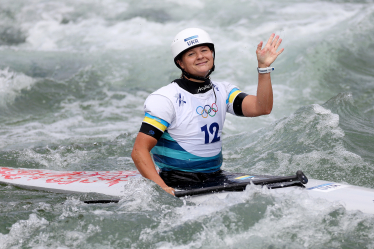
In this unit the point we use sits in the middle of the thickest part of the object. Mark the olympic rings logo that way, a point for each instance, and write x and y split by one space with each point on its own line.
207 110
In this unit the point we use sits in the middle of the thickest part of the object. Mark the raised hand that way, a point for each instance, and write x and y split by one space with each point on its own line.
267 55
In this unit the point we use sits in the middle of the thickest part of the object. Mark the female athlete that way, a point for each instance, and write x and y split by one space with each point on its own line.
183 121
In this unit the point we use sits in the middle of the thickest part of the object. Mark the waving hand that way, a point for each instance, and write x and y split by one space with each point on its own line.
267 55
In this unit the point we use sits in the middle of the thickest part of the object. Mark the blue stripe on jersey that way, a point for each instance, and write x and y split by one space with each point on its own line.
232 91
169 155
165 143
168 137
161 121
165 167
203 166
180 154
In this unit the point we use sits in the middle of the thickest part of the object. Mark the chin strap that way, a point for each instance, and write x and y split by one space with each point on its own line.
188 75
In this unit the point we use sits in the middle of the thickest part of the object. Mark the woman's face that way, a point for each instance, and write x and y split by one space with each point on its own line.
197 61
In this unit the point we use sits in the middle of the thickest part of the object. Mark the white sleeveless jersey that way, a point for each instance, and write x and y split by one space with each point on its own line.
194 122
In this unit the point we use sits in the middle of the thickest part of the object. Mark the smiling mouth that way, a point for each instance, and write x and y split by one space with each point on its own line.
202 63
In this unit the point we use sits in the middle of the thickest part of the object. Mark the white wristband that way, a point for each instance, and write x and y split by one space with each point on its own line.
265 70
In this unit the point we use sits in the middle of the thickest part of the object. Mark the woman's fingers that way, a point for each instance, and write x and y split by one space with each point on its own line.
278 43
275 44
272 42
275 41
169 190
271 38
280 51
268 54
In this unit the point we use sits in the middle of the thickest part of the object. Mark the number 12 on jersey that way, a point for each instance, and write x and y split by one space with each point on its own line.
213 129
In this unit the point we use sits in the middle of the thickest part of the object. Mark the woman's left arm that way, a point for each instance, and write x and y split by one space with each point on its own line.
262 103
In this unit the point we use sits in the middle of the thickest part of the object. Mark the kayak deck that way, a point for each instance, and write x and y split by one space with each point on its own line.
113 183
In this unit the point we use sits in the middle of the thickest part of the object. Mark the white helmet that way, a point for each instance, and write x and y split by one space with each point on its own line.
189 38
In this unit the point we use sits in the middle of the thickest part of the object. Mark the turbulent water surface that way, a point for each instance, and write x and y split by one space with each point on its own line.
73 79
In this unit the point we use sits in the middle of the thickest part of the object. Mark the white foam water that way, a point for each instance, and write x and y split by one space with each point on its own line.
73 79
11 85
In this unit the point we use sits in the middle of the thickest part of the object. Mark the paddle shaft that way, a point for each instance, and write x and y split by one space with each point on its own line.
300 177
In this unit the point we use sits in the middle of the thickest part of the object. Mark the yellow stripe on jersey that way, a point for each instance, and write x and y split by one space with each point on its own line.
154 123
233 95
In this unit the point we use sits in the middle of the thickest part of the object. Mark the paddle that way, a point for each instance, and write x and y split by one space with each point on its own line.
299 177
101 201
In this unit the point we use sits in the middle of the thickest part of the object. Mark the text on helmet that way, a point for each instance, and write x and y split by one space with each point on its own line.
192 40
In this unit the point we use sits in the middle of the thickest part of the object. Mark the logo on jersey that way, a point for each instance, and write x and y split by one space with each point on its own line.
204 88
207 110
215 86
180 99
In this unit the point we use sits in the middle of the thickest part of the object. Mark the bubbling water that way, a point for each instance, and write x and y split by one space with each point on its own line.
73 79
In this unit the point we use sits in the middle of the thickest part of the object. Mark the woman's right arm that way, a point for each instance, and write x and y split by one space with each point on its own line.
143 161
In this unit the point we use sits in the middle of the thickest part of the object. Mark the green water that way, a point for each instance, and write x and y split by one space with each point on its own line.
73 79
